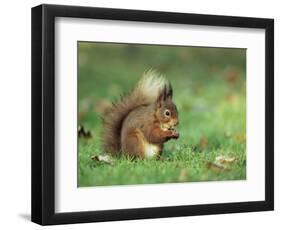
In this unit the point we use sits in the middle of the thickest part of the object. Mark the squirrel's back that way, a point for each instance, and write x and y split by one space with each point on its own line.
146 92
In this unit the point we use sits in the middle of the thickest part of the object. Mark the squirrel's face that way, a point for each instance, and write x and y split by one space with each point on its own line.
166 110
167 115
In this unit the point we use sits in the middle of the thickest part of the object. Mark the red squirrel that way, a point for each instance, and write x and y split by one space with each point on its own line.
141 122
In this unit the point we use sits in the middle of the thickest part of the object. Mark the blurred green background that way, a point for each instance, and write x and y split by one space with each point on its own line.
210 93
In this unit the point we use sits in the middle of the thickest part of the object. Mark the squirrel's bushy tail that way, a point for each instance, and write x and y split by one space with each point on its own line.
146 92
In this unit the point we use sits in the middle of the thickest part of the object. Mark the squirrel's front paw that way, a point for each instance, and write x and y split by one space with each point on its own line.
175 134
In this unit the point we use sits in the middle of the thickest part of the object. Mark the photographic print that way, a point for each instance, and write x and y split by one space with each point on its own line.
130 103
150 114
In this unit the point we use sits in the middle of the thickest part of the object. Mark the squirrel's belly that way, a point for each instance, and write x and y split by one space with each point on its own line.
151 150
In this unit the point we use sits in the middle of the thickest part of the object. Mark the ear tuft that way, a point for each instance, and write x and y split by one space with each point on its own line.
169 92
161 97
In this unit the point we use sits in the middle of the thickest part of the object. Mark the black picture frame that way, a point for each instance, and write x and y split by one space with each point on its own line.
43 114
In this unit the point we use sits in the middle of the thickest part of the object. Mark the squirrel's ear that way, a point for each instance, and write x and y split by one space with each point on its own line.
161 98
169 91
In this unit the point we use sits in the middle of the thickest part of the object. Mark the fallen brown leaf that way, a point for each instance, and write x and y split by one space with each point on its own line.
221 163
225 159
216 166
84 133
103 158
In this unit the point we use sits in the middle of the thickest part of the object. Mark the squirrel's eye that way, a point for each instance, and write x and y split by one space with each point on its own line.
167 113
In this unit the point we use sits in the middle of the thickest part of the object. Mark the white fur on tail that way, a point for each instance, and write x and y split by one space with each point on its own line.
151 84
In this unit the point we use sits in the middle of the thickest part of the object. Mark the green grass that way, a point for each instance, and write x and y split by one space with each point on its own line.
209 91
